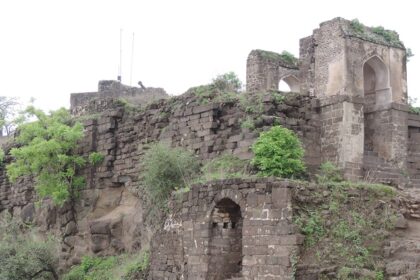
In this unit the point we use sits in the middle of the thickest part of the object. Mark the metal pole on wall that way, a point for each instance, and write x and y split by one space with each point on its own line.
132 59
120 67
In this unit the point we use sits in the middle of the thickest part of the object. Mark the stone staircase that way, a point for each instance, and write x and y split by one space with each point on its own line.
403 250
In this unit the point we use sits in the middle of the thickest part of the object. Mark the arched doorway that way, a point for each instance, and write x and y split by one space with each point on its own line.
289 84
377 93
225 246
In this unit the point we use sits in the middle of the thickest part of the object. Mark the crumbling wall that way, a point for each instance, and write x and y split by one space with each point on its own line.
109 216
185 246
265 69
413 160
94 102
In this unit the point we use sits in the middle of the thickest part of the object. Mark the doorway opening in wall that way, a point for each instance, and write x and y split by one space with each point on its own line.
377 93
289 84
225 246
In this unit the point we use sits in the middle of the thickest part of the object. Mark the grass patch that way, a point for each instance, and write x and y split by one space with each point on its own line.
346 224
225 167
123 267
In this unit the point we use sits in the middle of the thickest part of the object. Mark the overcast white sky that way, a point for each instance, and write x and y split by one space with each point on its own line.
50 49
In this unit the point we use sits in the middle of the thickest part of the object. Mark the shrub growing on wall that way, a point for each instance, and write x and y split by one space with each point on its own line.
46 152
167 169
278 152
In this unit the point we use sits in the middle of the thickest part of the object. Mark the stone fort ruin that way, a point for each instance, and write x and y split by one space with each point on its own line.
348 105
360 82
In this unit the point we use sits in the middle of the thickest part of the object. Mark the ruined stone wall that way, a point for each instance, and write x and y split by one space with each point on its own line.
327 54
109 215
94 102
413 159
186 245
342 133
265 70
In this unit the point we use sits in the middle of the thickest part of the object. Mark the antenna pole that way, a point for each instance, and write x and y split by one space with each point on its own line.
120 68
132 59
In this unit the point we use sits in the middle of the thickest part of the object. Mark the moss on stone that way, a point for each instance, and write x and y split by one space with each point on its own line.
378 34
285 57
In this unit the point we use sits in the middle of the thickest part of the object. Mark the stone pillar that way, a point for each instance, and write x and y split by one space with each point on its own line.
342 133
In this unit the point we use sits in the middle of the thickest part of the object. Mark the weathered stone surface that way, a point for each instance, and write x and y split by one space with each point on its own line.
240 234
351 110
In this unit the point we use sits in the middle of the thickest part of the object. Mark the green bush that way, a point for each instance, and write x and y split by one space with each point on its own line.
2 156
167 169
93 268
47 152
138 268
96 158
278 152
328 173
228 82
124 267
21 256
289 57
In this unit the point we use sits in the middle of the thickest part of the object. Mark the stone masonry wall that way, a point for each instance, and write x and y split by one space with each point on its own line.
265 70
82 103
413 159
109 216
342 133
184 248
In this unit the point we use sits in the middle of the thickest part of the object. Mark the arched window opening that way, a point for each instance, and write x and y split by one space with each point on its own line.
225 246
376 82
289 84
377 93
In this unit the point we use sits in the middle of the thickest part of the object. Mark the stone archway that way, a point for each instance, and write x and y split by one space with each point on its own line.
225 244
289 84
377 93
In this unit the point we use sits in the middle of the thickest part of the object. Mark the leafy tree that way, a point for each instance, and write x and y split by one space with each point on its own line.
7 111
227 82
21 256
278 152
45 152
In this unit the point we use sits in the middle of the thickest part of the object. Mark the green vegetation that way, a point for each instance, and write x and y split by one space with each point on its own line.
409 54
96 158
285 56
167 169
389 35
8 109
46 152
357 26
345 223
224 88
288 57
225 167
124 267
248 123
278 152
228 82
376 34
22 256
2 156
412 107
328 173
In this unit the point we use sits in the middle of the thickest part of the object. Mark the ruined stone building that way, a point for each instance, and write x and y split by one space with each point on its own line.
349 107
360 81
